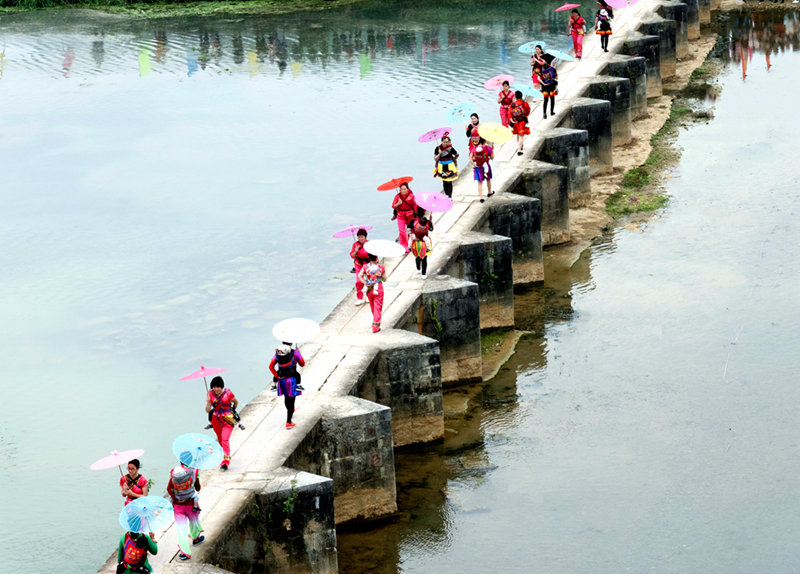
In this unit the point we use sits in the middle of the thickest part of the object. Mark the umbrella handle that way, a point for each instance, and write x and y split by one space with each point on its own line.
119 466
206 383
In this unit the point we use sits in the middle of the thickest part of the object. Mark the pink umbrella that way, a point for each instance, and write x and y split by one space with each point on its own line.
434 202
117 459
351 230
434 135
621 3
567 7
203 373
497 82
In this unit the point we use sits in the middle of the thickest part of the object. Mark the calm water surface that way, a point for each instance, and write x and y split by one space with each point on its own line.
648 421
170 190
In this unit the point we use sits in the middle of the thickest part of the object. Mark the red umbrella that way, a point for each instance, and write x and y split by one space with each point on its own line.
567 7
394 183
497 82
203 373
434 135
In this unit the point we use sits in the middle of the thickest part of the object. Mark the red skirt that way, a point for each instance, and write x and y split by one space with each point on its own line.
521 129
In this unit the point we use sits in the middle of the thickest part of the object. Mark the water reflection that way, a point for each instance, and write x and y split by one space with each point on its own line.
761 33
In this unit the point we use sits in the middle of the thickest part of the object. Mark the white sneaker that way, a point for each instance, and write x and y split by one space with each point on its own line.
424 276
359 302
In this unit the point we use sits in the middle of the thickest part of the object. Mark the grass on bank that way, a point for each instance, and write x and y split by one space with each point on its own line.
639 191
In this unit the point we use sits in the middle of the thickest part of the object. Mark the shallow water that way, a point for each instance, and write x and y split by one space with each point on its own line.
647 423
169 192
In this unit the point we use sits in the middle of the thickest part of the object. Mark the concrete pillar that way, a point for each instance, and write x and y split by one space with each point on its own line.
286 526
647 47
570 148
594 116
487 260
679 12
449 311
549 183
618 92
635 69
704 10
519 218
693 18
666 30
352 444
406 376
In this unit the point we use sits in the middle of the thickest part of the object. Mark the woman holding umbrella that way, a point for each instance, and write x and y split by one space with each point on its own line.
537 64
406 206
286 377
372 275
360 257
474 122
445 159
505 98
133 485
221 403
576 27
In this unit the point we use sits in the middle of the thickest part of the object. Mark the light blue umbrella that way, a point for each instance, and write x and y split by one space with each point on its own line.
563 56
197 451
146 514
462 112
528 90
530 47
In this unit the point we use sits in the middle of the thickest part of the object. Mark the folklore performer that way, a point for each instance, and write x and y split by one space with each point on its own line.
221 403
445 164
576 27
132 553
286 376
360 257
519 111
602 23
372 275
481 154
133 484
549 81
406 206
537 63
474 122
183 488
504 98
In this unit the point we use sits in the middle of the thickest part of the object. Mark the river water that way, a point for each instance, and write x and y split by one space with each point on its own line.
169 192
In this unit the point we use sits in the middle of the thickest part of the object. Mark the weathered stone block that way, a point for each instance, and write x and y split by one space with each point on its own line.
406 376
488 261
704 10
679 12
666 30
716 5
635 69
549 183
519 218
594 116
649 48
287 526
617 91
352 444
570 148
692 19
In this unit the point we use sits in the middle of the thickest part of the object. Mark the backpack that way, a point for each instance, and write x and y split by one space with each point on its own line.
518 112
132 554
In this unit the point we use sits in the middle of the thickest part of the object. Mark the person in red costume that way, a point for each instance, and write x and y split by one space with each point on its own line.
504 98
360 257
283 367
519 112
373 274
406 207
481 154
221 403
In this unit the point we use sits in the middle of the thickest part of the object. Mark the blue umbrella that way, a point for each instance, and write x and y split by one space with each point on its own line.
146 514
559 55
530 47
462 112
197 451
528 90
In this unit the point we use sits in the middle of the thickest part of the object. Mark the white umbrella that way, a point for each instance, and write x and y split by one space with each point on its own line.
384 248
296 330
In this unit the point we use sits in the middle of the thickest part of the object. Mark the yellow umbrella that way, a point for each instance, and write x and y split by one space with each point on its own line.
495 133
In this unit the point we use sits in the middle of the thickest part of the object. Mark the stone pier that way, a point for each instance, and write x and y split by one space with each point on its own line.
649 48
666 30
635 69
570 148
678 12
594 116
549 183
617 91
